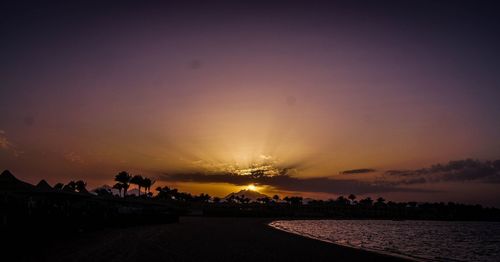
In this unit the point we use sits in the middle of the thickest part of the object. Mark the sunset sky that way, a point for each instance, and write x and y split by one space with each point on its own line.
325 98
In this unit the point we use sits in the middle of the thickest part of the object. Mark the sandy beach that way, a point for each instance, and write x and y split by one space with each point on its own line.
196 239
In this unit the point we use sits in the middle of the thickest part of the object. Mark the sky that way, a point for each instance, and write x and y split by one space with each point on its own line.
315 98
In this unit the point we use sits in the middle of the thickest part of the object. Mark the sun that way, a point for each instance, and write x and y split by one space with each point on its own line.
251 187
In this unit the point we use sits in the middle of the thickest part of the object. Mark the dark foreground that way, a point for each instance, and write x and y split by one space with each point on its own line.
194 239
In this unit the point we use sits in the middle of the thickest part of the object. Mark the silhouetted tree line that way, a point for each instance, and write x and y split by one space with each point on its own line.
340 208
74 200
124 180
349 207
73 186
165 193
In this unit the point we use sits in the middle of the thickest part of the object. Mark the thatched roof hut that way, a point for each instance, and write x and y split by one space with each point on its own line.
43 186
9 183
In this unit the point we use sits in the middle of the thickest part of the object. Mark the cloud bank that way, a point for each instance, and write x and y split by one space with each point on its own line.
288 183
358 171
453 171
383 182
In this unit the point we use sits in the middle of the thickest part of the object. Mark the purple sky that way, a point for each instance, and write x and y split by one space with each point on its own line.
189 92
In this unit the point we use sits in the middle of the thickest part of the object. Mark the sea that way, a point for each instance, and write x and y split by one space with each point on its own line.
416 240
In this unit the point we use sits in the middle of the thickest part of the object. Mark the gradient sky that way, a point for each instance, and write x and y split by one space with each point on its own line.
193 93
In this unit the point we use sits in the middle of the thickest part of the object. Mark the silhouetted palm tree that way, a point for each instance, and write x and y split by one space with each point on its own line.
123 178
294 201
245 200
367 202
118 186
276 198
80 186
174 194
230 199
264 200
242 199
147 183
216 200
163 192
203 197
342 201
352 197
137 180
71 186
380 200
238 198
287 199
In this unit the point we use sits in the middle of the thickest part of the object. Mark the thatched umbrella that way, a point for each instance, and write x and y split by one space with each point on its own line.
43 186
9 183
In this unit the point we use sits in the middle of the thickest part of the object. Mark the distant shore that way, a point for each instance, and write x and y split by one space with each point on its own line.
197 239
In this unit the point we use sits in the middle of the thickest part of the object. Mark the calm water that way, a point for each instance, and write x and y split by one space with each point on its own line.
422 240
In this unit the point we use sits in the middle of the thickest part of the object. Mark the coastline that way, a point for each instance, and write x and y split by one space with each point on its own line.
402 256
199 239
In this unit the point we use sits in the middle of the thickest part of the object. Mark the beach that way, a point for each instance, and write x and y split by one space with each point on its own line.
195 239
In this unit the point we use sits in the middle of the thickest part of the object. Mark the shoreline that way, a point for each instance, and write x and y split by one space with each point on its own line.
401 256
199 239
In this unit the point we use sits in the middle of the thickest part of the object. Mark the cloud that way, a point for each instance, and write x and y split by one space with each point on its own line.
286 182
358 171
266 157
388 181
73 157
6 145
453 171
4 142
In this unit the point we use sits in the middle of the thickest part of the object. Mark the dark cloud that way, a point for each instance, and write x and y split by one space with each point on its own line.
288 183
461 170
390 181
358 171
